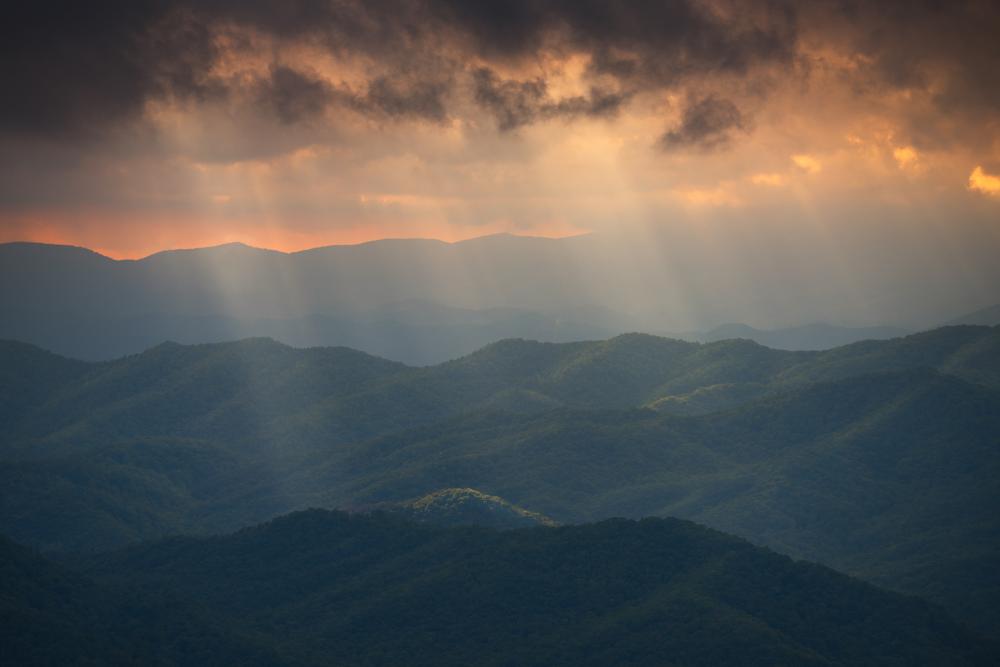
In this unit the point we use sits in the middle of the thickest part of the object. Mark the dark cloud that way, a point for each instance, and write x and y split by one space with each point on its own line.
945 51
662 41
706 124
598 102
294 95
66 67
418 99
903 41
517 103
74 69
512 103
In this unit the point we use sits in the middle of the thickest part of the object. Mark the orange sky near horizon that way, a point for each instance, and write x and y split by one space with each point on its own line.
124 238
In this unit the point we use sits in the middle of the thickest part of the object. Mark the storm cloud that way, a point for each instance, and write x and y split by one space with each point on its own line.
517 103
74 68
707 123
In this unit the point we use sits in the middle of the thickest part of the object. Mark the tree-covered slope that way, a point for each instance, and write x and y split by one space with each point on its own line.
878 458
142 489
51 615
329 588
233 392
258 390
892 477
29 376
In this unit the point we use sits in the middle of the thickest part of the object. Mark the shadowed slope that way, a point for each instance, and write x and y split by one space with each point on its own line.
373 590
50 615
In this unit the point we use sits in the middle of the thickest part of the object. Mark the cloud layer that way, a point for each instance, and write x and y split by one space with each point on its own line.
310 121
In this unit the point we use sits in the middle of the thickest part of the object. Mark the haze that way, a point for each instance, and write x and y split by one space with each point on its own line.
834 161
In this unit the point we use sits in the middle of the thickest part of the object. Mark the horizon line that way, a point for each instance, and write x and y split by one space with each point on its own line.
242 244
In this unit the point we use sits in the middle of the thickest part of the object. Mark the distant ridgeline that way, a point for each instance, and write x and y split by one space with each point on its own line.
416 301
321 588
880 458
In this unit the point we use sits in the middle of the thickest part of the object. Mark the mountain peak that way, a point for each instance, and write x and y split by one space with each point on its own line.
232 248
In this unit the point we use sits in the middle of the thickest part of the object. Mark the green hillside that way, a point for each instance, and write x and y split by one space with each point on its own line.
892 477
878 458
328 588
51 615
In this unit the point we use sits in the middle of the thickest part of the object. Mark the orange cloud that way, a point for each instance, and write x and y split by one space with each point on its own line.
712 197
807 163
980 181
906 156
772 180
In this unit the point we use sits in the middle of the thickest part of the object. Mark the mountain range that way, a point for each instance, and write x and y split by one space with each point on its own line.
816 336
879 458
416 301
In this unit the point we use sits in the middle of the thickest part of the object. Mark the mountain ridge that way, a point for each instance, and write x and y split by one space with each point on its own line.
783 448
484 289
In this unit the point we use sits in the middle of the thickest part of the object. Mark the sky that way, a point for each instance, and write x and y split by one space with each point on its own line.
863 128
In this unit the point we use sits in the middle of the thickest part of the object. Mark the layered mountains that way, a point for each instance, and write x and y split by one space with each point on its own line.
421 302
879 458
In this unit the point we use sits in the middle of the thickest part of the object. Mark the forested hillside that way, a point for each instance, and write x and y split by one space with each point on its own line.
316 588
879 458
